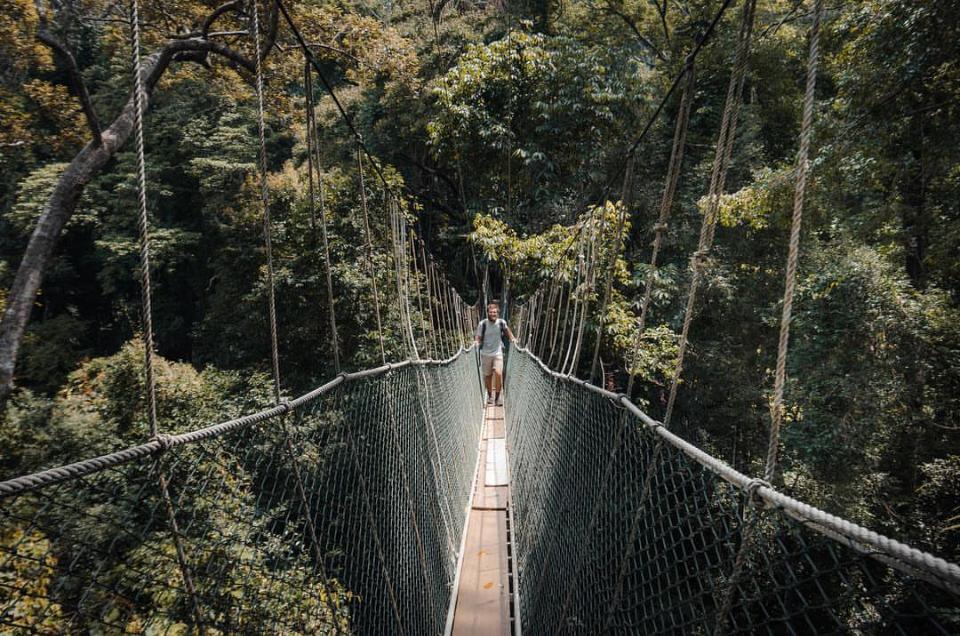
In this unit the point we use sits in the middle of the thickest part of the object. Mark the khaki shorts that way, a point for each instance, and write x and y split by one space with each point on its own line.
489 364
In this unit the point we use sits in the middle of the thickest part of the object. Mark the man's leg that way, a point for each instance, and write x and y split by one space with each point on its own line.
486 370
498 379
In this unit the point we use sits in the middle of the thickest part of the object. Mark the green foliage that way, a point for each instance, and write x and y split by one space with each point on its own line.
527 112
99 411
507 121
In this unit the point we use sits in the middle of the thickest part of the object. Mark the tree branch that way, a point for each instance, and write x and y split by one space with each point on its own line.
636 31
62 202
76 80
233 5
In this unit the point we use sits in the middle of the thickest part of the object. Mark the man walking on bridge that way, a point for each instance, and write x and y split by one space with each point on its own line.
490 336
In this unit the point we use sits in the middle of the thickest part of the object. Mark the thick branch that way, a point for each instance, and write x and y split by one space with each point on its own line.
233 5
76 80
63 200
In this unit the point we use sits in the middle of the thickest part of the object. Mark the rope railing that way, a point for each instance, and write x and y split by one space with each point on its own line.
807 572
352 531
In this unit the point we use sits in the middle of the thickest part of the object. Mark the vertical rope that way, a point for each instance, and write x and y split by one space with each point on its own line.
666 206
271 295
371 270
398 235
265 203
575 294
626 200
143 227
748 529
313 163
428 287
416 286
803 166
560 323
146 293
596 236
717 180
717 184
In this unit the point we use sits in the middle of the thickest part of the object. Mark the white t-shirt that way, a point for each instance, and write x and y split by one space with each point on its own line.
492 342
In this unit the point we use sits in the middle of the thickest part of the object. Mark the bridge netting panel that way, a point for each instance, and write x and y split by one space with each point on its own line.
598 552
343 515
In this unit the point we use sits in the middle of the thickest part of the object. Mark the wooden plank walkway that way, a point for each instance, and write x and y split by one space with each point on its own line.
483 604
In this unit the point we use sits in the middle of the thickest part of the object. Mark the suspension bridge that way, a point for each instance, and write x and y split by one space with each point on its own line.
391 501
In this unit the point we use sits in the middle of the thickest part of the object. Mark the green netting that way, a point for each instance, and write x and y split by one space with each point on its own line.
385 461
594 553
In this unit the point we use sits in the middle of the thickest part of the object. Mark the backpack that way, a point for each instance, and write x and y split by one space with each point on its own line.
503 331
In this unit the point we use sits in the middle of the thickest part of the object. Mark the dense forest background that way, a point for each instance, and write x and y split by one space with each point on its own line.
508 124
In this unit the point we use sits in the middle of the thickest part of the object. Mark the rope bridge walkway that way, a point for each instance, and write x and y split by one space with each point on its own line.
383 502
342 511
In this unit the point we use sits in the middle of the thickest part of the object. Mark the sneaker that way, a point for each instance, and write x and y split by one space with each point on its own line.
490 400
499 401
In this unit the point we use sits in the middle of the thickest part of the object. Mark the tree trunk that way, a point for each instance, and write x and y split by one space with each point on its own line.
63 201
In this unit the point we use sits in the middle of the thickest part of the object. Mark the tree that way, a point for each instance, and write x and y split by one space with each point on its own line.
195 46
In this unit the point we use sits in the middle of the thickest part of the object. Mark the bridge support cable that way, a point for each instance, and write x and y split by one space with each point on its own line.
146 302
368 250
666 207
803 166
424 336
724 150
626 204
776 407
316 186
718 178
435 344
660 227
272 309
806 571
398 235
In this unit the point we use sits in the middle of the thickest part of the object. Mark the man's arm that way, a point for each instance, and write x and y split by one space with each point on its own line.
510 335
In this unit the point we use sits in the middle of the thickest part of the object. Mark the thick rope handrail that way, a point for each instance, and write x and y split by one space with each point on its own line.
164 442
946 574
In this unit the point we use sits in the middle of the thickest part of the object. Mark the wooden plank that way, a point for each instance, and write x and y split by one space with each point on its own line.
493 429
491 498
481 604
483 597
496 473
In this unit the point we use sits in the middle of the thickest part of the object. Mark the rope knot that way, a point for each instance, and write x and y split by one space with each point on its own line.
164 440
753 486
284 403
